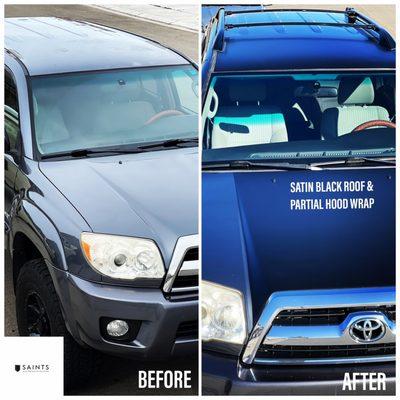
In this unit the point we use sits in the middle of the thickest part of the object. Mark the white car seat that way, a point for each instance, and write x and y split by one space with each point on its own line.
255 121
355 96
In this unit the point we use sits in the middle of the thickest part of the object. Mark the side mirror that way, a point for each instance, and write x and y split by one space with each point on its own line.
7 144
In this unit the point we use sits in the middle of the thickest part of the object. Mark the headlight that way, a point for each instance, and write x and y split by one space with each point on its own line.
122 257
222 314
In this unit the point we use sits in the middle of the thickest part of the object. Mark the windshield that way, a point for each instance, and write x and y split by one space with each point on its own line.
308 116
118 108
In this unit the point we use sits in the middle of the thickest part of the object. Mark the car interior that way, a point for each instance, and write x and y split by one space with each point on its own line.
249 110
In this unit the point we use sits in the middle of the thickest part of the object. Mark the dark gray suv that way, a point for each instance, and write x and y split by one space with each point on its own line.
101 190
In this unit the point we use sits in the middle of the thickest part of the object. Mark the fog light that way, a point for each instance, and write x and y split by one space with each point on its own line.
117 328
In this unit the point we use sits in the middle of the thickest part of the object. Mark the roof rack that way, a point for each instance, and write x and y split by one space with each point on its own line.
219 36
355 20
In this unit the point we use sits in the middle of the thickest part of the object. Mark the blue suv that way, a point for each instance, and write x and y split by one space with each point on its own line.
298 200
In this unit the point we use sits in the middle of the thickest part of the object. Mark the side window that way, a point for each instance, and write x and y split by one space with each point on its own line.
11 117
187 87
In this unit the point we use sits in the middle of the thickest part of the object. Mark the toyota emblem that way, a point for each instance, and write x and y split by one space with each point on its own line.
367 330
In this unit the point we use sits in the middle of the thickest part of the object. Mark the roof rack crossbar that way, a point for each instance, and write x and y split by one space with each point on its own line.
354 20
267 10
300 23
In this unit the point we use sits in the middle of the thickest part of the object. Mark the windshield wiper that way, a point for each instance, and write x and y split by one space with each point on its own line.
139 149
356 161
244 164
86 152
169 143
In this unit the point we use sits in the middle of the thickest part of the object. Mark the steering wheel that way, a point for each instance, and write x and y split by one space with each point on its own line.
370 124
162 114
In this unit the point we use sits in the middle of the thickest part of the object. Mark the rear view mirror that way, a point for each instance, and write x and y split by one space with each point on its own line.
327 92
234 128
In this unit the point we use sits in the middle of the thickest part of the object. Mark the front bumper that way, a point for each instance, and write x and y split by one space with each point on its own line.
223 375
84 303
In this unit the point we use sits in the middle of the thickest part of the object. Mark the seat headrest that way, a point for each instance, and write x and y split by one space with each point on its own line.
247 90
356 91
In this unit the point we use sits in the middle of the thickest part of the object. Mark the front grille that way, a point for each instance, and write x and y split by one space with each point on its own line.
188 330
192 254
182 296
184 284
318 352
186 281
289 322
326 316
187 277
323 330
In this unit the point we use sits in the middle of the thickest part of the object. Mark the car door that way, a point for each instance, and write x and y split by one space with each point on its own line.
12 147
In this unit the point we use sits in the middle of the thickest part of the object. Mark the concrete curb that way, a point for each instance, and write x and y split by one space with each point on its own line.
183 18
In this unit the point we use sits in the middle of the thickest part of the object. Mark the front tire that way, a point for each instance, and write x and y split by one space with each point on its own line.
39 314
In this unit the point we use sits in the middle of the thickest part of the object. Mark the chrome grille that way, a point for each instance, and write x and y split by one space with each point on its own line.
326 316
187 278
316 327
325 352
185 281
182 279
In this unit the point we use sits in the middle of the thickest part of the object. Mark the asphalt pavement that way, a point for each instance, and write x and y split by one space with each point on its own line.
117 376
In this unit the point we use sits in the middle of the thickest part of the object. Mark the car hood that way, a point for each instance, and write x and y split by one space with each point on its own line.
151 195
252 239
